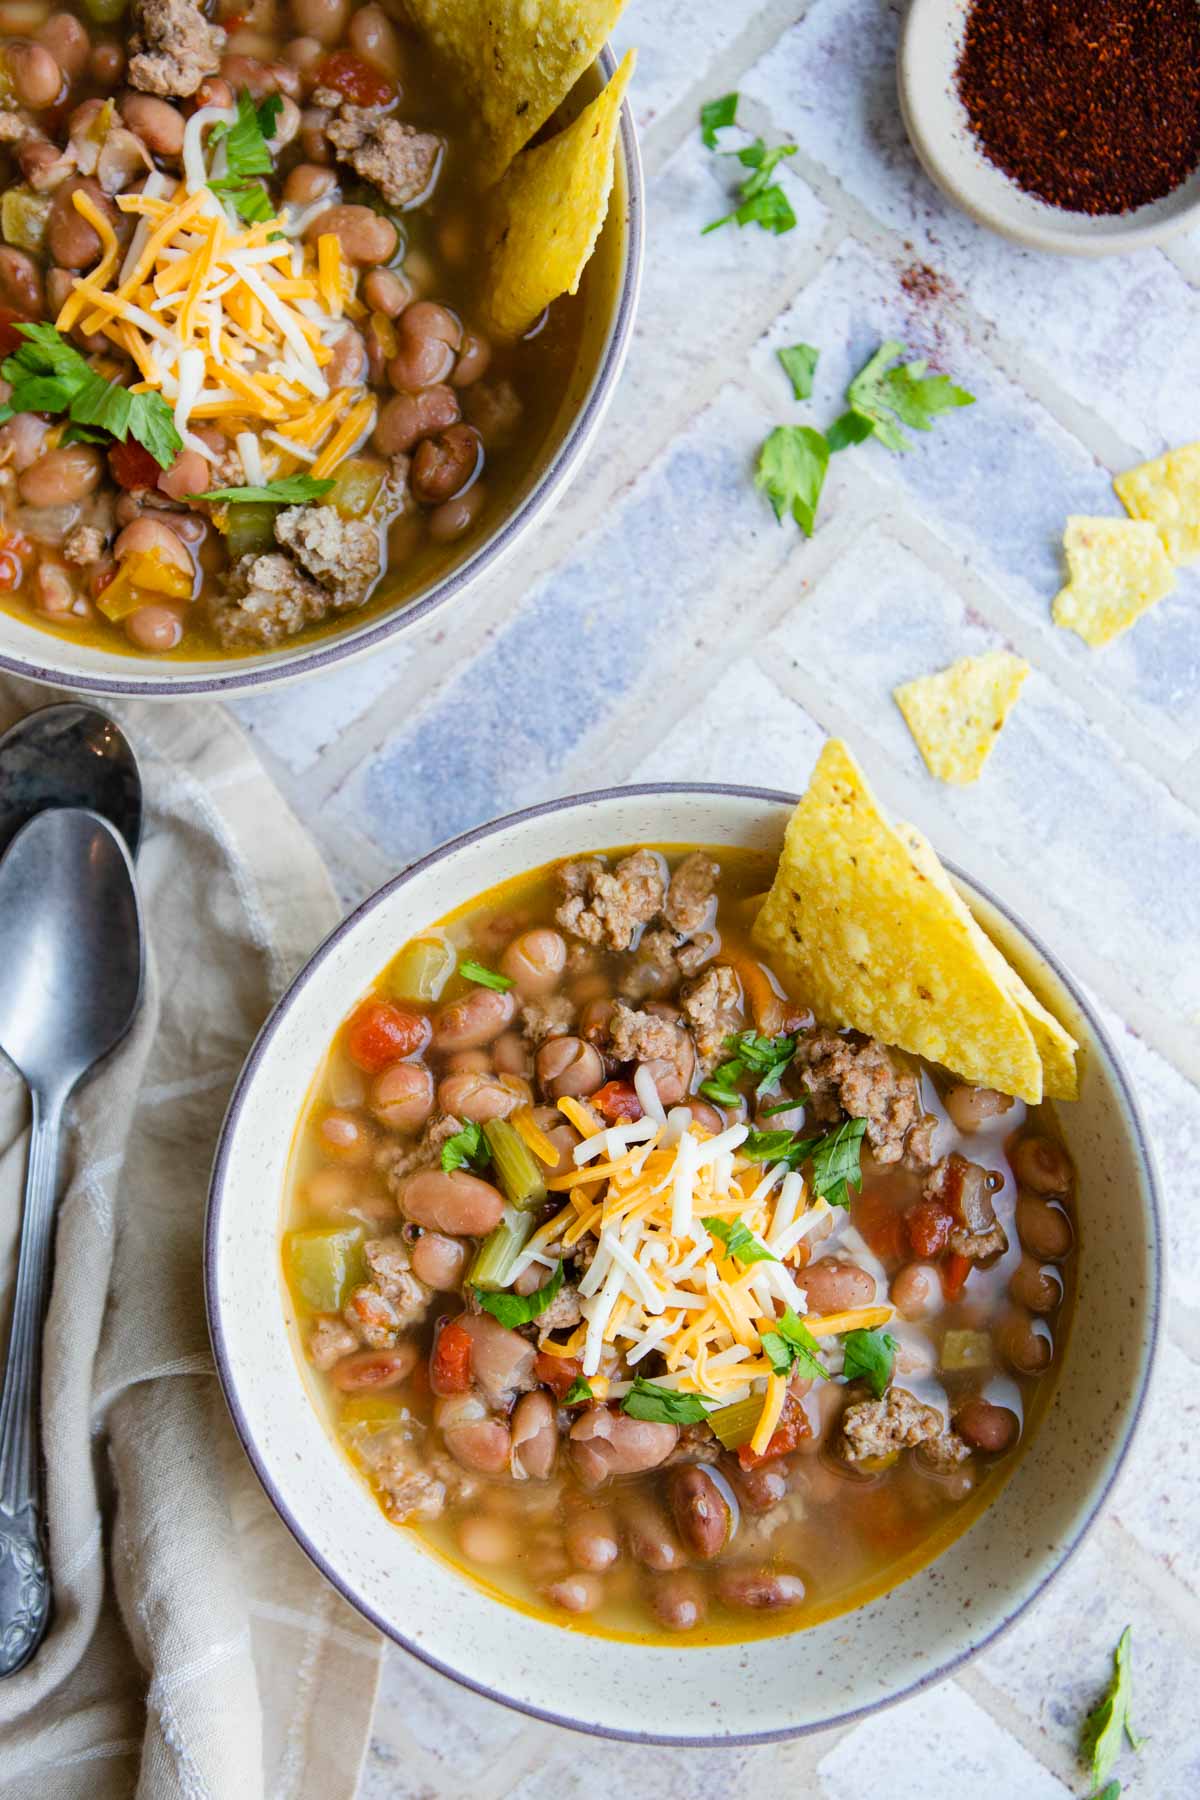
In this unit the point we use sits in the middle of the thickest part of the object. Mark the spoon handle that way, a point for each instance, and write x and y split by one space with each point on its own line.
24 1575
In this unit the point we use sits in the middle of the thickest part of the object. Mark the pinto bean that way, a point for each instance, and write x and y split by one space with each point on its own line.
678 1601
439 1261
36 77
1025 1344
151 536
69 473
386 292
916 1290
563 1136
373 36
107 64
366 237
591 1539
576 1593
455 517
445 463
313 141
473 1020
43 164
68 43
473 360
56 595
501 1360
971 1107
308 182
705 1115
375 1368
1035 1285
304 53
21 283
568 1066
480 1097
649 1533
21 439
158 123
402 1096
605 1443
488 1540
348 364
345 1136
534 1437
535 961
188 474
759 1590
1042 1166
986 1427
69 238
511 1055
154 628
213 91
429 337
761 1487
325 20
835 1286
1045 1230
701 1511
407 418
454 1202
469 1062
471 1435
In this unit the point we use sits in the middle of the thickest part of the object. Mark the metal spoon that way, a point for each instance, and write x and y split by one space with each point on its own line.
68 755
71 951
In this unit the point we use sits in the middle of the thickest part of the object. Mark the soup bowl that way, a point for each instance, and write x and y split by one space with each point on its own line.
743 1692
606 329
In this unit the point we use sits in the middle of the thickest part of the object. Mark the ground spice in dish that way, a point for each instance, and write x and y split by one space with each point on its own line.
1092 105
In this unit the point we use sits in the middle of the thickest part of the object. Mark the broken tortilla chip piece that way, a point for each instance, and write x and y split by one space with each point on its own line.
1119 569
956 715
872 942
1055 1045
548 211
516 59
1167 493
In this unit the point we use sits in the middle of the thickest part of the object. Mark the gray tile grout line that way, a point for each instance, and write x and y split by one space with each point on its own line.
1054 1757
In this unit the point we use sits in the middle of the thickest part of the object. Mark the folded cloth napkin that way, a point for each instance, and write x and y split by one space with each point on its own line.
194 1651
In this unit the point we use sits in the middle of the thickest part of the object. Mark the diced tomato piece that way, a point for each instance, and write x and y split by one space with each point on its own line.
793 1426
10 338
360 82
954 1272
929 1227
557 1372
882 1224
380 1033
450 1364
617 1102
132 466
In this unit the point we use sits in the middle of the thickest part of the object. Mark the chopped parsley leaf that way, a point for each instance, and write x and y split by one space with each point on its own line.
664 1406
835 1157
888 398
1108 1722
488 978
249 200
47 374
578 1390
869 1356
800 365
247 155
750 1054
714 116
739 1241
468 1148
791 472
852 428
792 1345
288 490
762 201
518 1309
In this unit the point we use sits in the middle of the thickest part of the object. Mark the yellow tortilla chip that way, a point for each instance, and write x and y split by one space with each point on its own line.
1119 569
548 211
955 716
872 942
1055 1045
516 59
1167 492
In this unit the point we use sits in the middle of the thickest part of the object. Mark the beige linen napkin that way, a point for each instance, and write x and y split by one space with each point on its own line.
194 1651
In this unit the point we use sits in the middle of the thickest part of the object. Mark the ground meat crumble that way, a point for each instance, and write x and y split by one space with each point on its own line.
898 1422
859 1077
396 158
173 47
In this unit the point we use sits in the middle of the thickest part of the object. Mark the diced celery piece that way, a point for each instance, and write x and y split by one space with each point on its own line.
966 1350
422 969
735 1425
249 529
494 1259
104 12
323 1265
370 1412
520 1176
23 216
356 487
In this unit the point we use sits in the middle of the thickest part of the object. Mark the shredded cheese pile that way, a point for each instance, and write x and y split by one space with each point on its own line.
659 1281
229 323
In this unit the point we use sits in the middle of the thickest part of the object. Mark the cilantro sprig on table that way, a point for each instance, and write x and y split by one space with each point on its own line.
761 200
48 375
247 155
1109 1722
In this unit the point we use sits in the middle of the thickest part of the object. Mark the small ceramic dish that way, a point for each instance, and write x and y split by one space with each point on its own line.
936 122
606 335
748 1692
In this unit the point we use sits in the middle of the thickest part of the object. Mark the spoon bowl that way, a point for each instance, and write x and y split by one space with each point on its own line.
69 755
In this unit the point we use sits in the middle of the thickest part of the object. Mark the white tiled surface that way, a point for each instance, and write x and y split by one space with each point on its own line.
661 625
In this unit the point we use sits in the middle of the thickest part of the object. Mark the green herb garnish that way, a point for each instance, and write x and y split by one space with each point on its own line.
468 1148
1108 1722
739 1241
288 490
47 374
578 1390
762 201
488 978
792 1346
888 398
799 365
664 1406
714 116
519 1309
246 155
870 1356
791 472
749 1054
835 1158
852 428
250 202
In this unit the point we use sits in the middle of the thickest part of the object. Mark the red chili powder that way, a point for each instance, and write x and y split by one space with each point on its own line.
1092 105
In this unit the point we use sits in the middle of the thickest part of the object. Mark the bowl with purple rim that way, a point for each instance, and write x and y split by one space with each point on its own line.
607 332
747 1692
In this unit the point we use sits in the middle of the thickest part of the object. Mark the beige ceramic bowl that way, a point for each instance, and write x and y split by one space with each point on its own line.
936 122
774 1687
607 332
